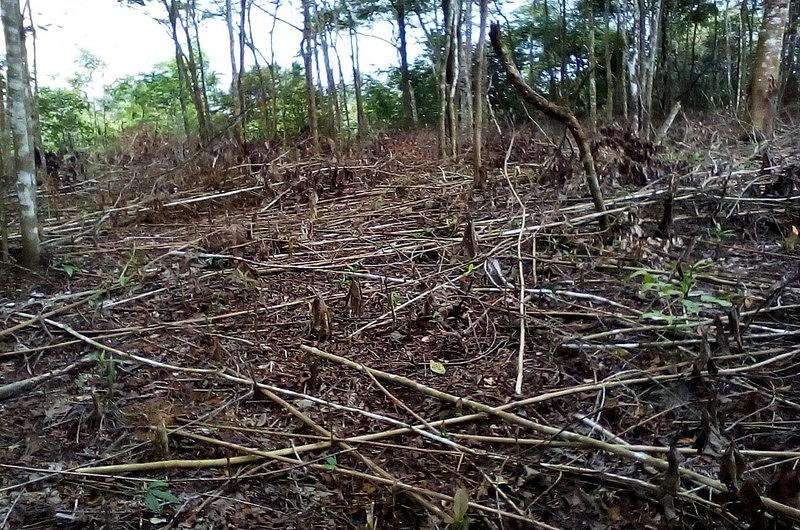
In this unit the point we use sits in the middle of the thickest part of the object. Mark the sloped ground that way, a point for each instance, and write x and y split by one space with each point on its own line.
206 389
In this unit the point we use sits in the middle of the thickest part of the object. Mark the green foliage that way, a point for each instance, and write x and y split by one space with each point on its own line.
460 521
70 268
156 495
330 463
64 116
681 295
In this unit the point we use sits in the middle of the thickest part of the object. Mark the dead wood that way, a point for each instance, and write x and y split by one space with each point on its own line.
555 112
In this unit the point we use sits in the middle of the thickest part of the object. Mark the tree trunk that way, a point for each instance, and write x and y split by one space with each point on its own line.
767 67
650 69
592 68
451 18
202 67
238 129
262 88
465 84
332 92
313 119
33 93
623 76
343 90
562 48
744 54
728 56
555 112
25 166
195 86
409 119
361 116
788 87
6 170
477 122
633 70
240 73
609 72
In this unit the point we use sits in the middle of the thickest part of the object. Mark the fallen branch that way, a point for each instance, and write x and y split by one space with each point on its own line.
19 387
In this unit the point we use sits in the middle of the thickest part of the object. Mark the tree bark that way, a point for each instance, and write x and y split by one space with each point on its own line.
195 86
451 18
6 169
592 67
25 165
728 56
238 129
650 69
477 121
313 119
788 87
332 92
409 120
361 116
767 67
555 112
609 72
633 69
623 79
465 59
201 66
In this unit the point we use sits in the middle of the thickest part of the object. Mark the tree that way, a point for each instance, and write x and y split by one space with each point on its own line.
308 42
236 92
477 122
767 67
25 166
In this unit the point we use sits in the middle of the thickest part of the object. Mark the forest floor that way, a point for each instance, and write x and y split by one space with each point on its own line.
171 367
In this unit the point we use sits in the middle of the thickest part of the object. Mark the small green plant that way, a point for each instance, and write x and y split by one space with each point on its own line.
343 282
156 495
682 293
330 463
70 268
460 521
394 299
717 233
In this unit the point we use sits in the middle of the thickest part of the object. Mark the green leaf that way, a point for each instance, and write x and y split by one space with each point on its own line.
658 315
166 496
690 306
711 299
70 269
152 503
330 463
460 504
437 367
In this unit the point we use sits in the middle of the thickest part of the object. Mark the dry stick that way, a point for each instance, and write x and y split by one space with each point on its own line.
555 112
550 431
662 131
391 483
34 319
347 447
18 387
524 216
632 447
485 409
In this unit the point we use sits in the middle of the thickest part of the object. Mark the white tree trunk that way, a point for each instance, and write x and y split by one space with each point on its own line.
650 68
24 159
633 70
